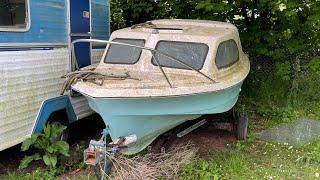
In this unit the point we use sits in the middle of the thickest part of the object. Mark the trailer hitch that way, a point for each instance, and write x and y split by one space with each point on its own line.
99 154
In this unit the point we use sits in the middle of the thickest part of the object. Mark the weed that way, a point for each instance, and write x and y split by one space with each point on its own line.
257 160
311 152
37 174
47 144
76 157
200 170
289 114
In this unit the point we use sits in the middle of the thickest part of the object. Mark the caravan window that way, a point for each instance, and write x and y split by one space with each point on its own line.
13 15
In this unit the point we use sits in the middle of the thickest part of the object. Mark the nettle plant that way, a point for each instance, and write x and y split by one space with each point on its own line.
48 145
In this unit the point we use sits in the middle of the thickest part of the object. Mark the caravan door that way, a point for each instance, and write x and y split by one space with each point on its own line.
80 28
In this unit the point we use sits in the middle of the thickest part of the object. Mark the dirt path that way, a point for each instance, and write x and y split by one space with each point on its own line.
208 137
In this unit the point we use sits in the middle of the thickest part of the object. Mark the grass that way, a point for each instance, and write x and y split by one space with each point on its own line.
254 160
251 159
37 174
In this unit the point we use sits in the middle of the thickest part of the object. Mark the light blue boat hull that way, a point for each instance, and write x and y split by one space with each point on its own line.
148 118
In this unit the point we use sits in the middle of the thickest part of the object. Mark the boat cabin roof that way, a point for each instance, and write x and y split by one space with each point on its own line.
182 27
194 41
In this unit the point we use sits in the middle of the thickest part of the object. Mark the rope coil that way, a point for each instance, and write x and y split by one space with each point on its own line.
91 76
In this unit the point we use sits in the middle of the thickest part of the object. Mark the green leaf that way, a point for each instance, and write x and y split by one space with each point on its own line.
56 130
47 130
50 149
28 142
42 143
50 160
27 159
62 147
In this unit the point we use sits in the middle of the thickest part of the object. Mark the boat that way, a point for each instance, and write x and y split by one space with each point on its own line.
157 75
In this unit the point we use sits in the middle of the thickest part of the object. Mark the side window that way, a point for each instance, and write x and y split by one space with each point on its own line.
121 54
193 54
13 15
227 54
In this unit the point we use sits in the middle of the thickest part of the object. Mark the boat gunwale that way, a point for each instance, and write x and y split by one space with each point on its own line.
155 97
244 74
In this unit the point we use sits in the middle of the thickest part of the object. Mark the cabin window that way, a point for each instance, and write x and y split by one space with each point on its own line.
227 54
13 15
120 54
193 54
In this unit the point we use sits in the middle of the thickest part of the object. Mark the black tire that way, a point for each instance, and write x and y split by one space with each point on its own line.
102 169
242 126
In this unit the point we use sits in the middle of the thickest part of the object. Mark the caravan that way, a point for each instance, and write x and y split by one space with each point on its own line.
35 41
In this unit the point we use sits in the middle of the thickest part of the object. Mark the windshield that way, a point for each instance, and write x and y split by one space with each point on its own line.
120 54
193 54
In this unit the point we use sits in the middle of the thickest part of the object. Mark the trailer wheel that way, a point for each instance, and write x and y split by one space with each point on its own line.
242 126
103 169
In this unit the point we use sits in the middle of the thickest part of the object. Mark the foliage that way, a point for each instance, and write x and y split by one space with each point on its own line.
200 170
313 66
283 70
278 30
129 12
75 160
117 17
70 163
37 174
47 144
265 92
258 160
312 153
275 29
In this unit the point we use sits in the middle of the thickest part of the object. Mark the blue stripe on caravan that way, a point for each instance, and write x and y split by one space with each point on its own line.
24 49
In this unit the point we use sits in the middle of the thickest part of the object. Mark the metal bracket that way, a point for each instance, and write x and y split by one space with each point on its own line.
191 128
94 153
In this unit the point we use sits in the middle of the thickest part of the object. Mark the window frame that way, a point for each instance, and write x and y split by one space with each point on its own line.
104 61
231 64
181 42
28 22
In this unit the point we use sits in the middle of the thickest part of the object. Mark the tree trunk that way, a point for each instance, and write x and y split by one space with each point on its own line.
295 82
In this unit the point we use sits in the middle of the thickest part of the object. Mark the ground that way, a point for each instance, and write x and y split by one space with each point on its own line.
220 156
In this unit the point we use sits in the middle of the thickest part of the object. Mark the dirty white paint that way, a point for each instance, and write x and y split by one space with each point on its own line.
27 78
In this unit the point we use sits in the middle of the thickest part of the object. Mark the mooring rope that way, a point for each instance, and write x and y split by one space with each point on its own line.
91 76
